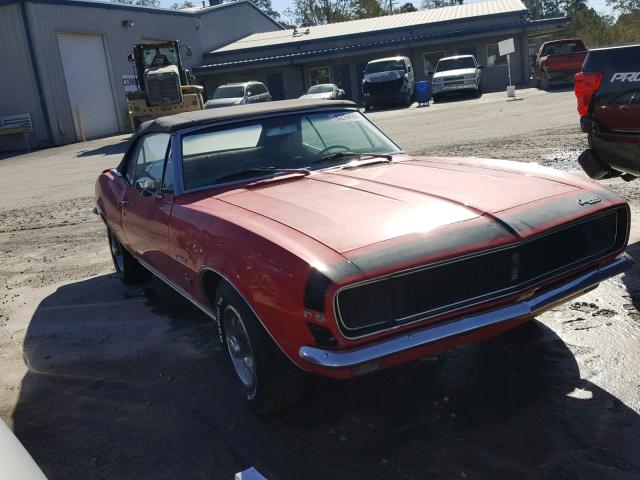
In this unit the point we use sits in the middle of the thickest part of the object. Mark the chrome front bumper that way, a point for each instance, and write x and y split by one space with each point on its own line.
336 359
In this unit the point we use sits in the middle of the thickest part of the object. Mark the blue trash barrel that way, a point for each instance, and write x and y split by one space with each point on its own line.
423 92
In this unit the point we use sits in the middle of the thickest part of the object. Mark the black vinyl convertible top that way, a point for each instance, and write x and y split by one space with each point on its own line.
180 121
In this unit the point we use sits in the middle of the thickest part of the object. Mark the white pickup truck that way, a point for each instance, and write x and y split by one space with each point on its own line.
456 74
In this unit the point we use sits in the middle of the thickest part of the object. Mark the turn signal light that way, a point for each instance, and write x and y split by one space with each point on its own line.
586 84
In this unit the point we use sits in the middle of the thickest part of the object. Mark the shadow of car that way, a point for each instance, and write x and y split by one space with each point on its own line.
127 382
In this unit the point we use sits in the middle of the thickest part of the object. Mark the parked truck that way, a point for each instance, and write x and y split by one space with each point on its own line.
608 94
164 86
388 81
558 61
457 74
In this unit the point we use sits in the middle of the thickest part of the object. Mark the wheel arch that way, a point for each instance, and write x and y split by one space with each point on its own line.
210 280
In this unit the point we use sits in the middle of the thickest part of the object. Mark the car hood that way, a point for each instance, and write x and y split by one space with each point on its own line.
350 209
223 102
383 76
455 73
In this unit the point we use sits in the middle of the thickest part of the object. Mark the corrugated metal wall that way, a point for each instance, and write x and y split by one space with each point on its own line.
203 32
18 92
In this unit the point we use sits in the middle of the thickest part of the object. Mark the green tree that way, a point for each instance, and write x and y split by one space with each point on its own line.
428 4
185 4
406 8
139 3
624 7
306 13
267 7
368 9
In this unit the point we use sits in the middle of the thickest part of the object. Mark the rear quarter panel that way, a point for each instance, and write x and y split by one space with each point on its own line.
109 189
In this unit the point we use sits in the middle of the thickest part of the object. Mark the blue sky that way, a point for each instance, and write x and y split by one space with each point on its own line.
282 5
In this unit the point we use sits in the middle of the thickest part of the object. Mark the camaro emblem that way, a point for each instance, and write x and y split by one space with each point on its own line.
590 201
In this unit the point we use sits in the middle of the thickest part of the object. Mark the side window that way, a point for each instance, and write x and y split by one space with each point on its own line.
251 91
148 161
493 56
636 98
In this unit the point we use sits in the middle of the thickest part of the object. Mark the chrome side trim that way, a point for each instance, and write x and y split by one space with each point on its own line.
418 317
177 288
334 359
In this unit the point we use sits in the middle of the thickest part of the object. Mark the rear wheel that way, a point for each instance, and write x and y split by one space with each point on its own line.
436 98
267 379
128 268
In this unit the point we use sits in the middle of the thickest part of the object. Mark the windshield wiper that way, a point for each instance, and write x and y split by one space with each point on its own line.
249 171
341 155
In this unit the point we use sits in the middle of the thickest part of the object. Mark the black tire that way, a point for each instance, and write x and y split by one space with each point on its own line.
127 267
436 98
367 108
479 91
268 382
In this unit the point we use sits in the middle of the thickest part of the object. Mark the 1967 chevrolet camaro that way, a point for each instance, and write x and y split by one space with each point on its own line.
318 246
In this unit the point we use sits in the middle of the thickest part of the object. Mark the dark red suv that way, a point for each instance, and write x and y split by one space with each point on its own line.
608 93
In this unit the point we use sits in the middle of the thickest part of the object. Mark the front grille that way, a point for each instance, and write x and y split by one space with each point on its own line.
453 81
383 88
414 295
163 89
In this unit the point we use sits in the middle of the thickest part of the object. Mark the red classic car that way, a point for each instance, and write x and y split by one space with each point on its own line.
317 245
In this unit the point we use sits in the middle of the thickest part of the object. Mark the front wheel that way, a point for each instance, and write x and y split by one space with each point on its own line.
128 268
267 379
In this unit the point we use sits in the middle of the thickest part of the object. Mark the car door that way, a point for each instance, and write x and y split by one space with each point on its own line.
148 199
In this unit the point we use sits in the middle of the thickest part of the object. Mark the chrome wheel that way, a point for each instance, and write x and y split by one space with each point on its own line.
116 253
239 346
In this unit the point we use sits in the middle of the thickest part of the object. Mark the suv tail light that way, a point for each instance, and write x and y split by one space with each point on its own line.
586 84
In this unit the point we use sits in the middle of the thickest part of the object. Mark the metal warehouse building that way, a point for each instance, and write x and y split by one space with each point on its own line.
65 59
290 61
61 54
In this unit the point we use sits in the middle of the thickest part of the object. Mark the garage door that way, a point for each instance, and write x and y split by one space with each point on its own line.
88 84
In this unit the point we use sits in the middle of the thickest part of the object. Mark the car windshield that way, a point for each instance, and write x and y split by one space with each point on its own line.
563 48
321 89
228 91
455 64
298 141
386 66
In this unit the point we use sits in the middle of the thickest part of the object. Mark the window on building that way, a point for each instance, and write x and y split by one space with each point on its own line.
431 60
319 75
468 51
493 56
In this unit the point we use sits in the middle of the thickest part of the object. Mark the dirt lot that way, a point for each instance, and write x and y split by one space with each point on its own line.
103 381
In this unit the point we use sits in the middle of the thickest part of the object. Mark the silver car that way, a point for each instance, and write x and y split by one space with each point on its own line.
238 94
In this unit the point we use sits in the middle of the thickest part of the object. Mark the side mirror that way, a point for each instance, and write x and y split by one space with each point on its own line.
480 67
187 50
431 73
131 57
145 186
408 68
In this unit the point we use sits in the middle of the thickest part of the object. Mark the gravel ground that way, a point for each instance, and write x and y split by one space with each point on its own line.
103 381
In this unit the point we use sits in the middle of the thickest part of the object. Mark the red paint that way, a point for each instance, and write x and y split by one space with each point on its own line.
265 237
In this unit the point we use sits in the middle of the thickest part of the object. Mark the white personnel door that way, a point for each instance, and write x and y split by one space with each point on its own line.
88 83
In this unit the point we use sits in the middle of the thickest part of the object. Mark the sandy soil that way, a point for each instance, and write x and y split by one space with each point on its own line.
101 381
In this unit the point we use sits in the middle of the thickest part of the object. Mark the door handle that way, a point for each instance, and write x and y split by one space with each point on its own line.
123 202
